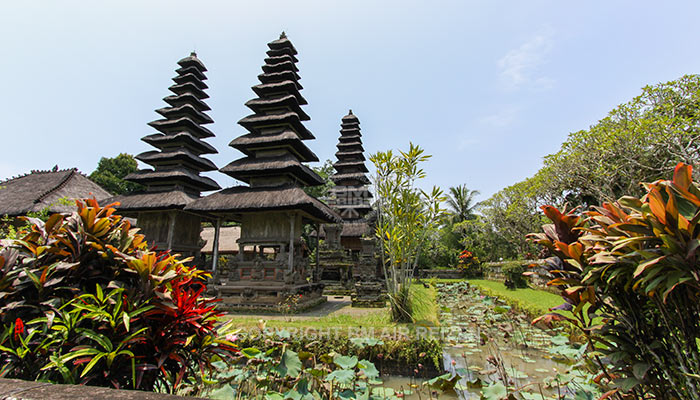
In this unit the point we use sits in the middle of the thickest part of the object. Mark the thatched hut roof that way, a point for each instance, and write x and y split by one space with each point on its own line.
144 201
242 199
41 189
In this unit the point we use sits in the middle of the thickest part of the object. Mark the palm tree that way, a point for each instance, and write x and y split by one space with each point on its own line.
461 201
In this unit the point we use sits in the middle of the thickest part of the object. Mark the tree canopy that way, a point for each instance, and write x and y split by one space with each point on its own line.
638 141
110 174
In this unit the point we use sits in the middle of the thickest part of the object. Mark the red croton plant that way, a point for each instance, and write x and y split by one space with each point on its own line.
628 273
84 300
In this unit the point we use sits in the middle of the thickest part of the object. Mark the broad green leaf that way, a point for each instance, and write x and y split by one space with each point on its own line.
345 362
290 365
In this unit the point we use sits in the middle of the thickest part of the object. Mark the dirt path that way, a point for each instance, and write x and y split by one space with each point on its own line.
336 305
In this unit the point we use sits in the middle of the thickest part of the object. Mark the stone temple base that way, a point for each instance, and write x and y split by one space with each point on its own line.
368 295
269 297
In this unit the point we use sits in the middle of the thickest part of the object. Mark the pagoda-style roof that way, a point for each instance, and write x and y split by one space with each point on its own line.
243 199
350 196
244 169
179 139
162 179
273 147
177 162
250 143
147 201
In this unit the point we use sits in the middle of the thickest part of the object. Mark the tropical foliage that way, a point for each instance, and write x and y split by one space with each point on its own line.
85 301
639 141
110 174
628 272
406 217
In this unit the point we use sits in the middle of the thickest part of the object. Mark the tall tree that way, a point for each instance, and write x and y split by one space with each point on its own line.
462 202
325 171
406 218
110 174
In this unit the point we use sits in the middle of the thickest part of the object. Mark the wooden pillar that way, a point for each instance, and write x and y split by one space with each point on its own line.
215 248
171 230
291 241
318 244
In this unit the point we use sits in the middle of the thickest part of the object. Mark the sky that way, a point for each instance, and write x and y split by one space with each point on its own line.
488 88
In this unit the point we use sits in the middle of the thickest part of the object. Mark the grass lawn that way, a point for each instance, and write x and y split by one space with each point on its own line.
532 301
425 312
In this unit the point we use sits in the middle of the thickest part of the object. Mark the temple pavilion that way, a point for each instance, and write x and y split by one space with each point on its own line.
272 269
174 179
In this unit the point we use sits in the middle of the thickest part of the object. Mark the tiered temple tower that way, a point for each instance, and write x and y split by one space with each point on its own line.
348 257
174 179
350 195
272 268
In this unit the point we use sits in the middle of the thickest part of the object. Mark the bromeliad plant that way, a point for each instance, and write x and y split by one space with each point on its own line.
85 301
634 263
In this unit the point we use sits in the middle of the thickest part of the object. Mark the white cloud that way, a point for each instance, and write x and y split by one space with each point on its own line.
502 118
519 67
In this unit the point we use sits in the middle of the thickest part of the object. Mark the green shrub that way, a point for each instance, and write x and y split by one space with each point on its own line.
513 274
635 264
85 301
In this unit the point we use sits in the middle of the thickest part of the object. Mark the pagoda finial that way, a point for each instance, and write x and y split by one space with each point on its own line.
193 54
283 35
350 112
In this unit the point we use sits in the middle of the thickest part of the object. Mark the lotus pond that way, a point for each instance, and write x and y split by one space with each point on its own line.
489 351
492 350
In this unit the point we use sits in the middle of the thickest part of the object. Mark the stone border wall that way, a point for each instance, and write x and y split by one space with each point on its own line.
32 390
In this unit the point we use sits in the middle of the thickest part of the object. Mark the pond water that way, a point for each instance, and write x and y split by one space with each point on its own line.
486 341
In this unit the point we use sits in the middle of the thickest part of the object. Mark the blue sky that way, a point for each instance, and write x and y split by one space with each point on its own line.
487 87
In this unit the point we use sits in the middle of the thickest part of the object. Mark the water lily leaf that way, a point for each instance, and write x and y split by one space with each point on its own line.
342 376
495 391
368 368
290 364
345 362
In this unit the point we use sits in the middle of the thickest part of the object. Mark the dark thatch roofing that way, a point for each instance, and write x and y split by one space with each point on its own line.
177 163
283 76
259 105
350 229
143 201
242 199
181 155
192 61
350 199
247 144
254 122
185 110
355 229
187 98
249 167
184 175
350 176
161 140
265 89
40 189
169 125
350 154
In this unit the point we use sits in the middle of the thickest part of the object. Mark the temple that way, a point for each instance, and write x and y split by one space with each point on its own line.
174 180
272 268
348 259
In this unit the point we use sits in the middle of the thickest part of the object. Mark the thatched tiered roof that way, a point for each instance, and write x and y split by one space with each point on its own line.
175 179
178 161
350 195
273 147
41 189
